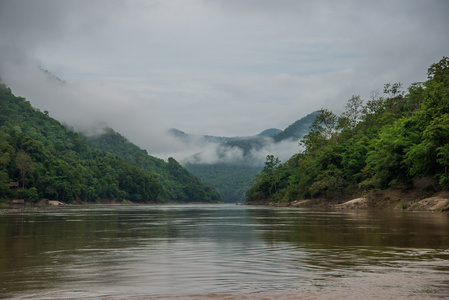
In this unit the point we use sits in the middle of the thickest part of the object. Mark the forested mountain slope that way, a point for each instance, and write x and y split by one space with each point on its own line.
52 162
232 176
396 141
293 132
177 183
231 181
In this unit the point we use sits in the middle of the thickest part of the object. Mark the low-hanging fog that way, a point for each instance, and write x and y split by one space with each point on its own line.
222 68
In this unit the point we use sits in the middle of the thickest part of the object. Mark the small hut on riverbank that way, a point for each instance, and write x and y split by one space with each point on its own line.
16 186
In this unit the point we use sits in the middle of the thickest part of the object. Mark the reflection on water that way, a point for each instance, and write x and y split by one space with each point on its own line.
143 251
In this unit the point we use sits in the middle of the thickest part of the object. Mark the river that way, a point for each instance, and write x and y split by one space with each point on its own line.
221 252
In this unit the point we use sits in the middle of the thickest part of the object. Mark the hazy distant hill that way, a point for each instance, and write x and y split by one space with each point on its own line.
269 132
219 139
296 130
231 175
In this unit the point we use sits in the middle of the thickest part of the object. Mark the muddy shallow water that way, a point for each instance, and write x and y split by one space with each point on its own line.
222 252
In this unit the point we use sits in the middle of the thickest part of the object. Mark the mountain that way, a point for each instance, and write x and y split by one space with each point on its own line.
177 183
49 161
269 132
239 160
296 130
181 135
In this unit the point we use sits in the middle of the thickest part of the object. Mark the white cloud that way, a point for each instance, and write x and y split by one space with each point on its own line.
218 67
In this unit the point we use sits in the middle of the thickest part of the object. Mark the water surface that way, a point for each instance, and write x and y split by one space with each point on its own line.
168 251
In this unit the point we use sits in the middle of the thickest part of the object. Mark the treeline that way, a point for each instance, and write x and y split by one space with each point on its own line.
295 131
399 140
49 161
231 178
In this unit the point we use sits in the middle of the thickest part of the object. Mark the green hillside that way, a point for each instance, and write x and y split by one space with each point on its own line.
398 141
233 179
49 161
177 183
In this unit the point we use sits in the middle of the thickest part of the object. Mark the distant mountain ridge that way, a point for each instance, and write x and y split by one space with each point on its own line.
241 168
220 139
269 132
294 131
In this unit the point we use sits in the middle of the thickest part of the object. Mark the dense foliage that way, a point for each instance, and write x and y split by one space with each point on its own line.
232 178
177 183
231 181
49 161
397 140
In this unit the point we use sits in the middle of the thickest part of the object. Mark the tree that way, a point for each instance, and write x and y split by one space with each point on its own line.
323 129
267 181
326 123
24 164
271 163
395 93
389 149
393 90
439 72
431 156
374 106
352 113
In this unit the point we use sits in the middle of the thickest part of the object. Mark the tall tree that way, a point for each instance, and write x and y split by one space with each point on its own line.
323 129
352 113
439 72
24 164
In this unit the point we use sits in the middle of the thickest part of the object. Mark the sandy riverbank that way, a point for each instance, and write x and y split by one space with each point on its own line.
392 199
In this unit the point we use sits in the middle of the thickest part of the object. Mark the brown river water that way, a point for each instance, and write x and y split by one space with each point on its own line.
221 252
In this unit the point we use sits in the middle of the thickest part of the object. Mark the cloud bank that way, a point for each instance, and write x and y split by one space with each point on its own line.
224 68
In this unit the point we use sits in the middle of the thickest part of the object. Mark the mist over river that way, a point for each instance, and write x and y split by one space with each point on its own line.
222 252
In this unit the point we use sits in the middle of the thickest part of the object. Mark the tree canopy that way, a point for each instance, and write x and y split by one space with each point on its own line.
396 140
53 162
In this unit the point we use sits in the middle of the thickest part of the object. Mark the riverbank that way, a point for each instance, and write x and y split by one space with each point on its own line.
45 202
8 206
410 200
335 293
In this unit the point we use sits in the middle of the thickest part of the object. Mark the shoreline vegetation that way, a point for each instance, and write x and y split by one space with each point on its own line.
390 152
112 202
382 200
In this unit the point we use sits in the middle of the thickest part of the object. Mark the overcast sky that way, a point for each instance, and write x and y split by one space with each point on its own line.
216 67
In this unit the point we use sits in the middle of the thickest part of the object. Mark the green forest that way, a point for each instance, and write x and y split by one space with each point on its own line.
396 140
232 178
178 184
42 159
231 181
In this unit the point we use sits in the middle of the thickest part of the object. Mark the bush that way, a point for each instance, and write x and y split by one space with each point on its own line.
30 195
